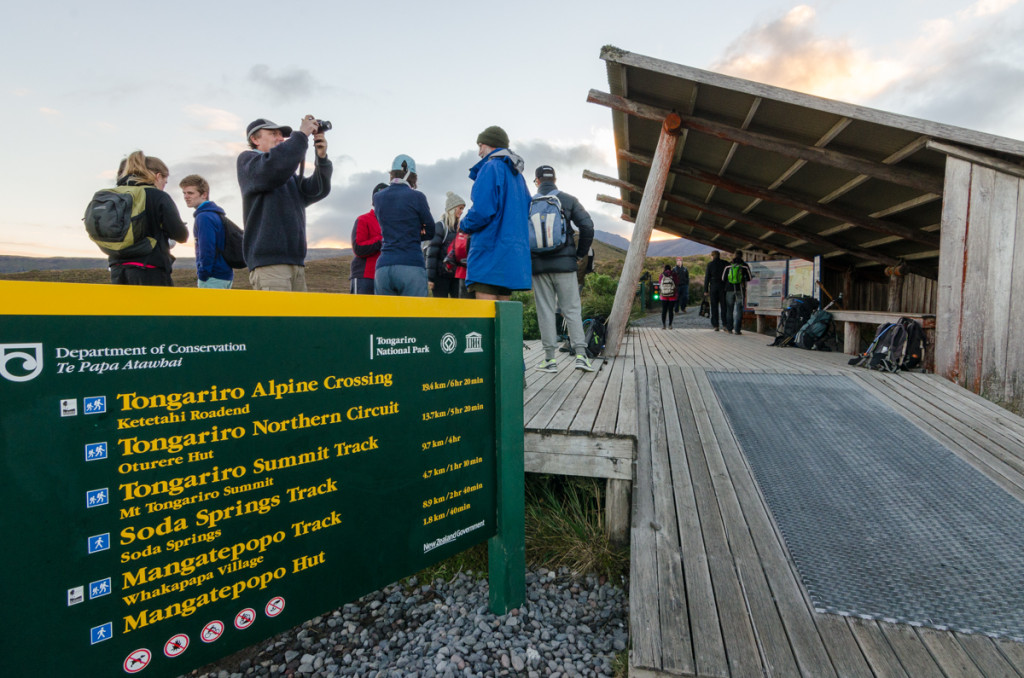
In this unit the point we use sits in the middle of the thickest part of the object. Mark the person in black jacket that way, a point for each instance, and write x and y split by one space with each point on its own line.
714 288
163 222
554 277
440 280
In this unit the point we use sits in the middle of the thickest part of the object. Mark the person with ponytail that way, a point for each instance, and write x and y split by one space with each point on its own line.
162 224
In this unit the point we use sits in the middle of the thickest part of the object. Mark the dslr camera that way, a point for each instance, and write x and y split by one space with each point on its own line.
323 126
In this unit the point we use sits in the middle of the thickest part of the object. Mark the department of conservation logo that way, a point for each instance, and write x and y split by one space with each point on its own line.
21 362
449 343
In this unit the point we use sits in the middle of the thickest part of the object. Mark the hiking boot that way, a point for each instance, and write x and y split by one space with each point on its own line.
716 329
547 365
582 363
738 332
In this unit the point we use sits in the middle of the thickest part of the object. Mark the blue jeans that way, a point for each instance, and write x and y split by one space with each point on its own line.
400 281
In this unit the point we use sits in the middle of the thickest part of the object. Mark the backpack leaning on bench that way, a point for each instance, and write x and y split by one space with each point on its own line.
818 333
897 346
798 311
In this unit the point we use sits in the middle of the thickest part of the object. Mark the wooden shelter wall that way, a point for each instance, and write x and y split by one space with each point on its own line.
981 283
919 295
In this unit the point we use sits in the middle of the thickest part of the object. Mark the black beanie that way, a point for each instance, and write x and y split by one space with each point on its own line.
493 136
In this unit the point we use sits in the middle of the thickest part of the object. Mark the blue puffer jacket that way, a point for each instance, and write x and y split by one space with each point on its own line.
208 235
499 252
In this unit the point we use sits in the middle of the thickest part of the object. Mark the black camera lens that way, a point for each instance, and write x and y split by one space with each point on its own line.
323 125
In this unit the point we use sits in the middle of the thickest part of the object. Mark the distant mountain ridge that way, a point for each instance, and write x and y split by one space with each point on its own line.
16 264
680 247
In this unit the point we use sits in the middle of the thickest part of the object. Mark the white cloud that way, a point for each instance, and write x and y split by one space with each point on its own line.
214 119
788 52
49 111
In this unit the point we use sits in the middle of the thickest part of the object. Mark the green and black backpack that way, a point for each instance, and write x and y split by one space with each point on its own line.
115 220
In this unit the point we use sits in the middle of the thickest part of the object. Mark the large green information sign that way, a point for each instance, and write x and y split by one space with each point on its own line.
190 476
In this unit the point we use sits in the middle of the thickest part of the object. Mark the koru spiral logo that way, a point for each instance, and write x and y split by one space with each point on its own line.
449 343
25 359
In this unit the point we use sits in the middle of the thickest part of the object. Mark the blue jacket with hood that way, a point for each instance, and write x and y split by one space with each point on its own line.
208 235
498 221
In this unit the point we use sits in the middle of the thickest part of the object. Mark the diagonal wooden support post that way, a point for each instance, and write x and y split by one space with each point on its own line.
645 218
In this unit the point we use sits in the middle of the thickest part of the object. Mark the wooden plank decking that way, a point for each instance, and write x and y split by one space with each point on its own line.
713 591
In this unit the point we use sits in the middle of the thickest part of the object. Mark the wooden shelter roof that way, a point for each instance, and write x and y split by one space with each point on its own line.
769 169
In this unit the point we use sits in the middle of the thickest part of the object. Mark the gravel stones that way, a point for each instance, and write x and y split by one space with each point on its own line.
568 627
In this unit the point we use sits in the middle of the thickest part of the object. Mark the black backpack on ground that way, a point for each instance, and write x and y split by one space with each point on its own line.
795 315
818 333
594 331
897 346
232 251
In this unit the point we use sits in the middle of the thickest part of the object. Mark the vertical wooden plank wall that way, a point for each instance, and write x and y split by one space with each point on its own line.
955 204
980 306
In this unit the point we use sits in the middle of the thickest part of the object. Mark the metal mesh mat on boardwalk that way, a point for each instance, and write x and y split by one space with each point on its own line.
881 520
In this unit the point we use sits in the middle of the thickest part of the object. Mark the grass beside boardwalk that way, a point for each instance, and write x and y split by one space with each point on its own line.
564 529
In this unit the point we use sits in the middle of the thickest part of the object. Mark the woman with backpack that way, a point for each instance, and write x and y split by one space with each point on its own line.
441 277
149 261
667 289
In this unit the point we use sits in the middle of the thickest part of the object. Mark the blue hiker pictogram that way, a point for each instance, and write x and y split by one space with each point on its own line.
95 498
98 634
95 451
99 542
94 404
99 588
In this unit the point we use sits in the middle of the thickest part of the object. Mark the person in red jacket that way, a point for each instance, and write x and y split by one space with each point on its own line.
366 242
667 286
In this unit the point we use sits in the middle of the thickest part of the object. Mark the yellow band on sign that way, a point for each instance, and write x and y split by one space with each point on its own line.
42 298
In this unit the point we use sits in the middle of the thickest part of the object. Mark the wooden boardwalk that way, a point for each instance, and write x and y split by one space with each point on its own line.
713 591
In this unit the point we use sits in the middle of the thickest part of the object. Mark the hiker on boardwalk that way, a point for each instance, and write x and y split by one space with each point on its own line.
405 222
212 271
441 276
366 242
714 288
163 224
274 200
734 279
682 275
555 283
499 256
667 290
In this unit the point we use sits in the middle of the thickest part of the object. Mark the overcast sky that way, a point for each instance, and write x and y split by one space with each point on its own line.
84 84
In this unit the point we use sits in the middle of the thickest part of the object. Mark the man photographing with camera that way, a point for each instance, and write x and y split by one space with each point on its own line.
274 200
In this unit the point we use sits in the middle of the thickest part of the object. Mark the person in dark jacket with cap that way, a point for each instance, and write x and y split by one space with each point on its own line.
405 222
499 253
554 275
274 201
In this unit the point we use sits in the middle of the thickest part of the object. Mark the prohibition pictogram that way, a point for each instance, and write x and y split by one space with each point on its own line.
177 645
137 660
245 618
275 606
212 631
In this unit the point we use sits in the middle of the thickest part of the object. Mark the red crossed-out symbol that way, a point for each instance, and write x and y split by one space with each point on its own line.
212 631
177 644
275 606
137 660
245 618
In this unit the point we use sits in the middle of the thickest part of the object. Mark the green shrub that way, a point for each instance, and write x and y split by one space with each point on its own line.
531 330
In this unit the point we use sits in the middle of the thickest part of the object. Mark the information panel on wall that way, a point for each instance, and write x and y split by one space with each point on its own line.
187 472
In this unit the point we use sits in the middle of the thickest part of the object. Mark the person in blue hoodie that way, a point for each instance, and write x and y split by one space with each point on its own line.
499 251
207 234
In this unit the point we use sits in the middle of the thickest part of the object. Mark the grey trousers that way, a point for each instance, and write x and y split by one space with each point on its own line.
550 292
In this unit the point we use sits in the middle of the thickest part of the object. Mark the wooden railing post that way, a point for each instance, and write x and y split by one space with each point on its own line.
645 218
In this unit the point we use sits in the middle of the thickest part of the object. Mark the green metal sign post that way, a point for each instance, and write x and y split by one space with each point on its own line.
187 472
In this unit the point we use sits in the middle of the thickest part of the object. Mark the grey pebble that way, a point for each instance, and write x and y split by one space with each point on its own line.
568 626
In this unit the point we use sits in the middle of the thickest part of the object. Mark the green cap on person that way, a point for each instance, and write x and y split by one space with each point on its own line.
493 136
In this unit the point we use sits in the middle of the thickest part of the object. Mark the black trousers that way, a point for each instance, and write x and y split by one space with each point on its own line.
719 309
666 307
446 287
